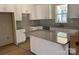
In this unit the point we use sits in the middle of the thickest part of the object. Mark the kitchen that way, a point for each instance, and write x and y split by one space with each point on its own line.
51 29
44 42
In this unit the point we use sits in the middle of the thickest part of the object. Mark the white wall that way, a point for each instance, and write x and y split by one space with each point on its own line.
73 11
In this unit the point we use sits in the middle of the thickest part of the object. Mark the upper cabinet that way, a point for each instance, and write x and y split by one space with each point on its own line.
41 11
36 11
45 11
73 10
18 12
26 8
33 15
52 11
6 8
12 8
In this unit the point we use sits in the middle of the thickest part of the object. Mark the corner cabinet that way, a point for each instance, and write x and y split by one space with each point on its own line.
41 11
18 12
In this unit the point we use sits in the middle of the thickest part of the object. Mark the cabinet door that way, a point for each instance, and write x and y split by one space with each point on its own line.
26 8
33 13
45 11
41 46
18 12
42 11
51 11
20 36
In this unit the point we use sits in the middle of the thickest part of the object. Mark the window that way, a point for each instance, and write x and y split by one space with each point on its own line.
61 14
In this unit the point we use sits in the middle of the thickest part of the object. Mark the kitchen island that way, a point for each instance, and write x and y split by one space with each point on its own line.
44 42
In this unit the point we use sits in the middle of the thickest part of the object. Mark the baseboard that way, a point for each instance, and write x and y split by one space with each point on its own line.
8 44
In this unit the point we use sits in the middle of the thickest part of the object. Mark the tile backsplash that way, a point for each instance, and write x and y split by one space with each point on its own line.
19 25
34 22
72 23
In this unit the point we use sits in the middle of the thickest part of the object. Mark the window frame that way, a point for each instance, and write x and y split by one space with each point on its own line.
56 21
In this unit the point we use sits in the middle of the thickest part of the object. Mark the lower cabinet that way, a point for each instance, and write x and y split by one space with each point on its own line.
41 46
20 36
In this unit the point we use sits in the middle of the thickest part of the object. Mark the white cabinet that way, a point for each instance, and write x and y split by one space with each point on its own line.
41 46
18 12
12 8
52 11
6 8
73 11
33 13
26 8
20 36
41 11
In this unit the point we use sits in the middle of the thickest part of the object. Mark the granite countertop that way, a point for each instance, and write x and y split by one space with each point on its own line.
47 35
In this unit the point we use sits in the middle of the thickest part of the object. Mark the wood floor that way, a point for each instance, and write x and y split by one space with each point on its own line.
11 49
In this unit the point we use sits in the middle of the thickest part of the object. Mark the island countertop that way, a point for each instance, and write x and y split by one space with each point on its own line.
49 35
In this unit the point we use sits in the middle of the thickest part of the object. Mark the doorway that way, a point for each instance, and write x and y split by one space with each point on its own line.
6 28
